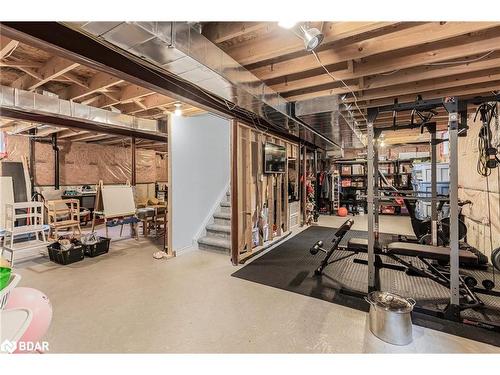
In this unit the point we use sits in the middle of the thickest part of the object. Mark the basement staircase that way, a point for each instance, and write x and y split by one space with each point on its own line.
218 234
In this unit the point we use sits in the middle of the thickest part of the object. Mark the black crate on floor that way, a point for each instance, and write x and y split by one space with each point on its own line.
99 248
64 257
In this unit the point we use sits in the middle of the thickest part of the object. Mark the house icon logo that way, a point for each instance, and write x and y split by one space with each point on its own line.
8 346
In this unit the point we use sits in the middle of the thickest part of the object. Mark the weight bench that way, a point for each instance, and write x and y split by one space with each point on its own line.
438 253
426 254
395 251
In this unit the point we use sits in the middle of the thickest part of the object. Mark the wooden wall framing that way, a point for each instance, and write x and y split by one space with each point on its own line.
253 191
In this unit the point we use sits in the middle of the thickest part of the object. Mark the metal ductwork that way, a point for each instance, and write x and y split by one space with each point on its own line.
179 49
323 115
31 106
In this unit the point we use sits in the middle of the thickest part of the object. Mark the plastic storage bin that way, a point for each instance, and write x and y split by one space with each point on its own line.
421 181
64 257
99 248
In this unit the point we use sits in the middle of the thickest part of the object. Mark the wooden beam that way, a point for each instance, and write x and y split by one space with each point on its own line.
22 127
410 37
283 42
75 79
49 131
97 83
19 64
71 133
219 32
53 68
7 45
418 87
127 94
87 137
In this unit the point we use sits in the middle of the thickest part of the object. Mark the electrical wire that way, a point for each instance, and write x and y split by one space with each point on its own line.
343 83
389 73
487 159
460 62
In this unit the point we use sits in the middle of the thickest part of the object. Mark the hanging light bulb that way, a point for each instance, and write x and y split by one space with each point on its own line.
311 36
178 110
287 24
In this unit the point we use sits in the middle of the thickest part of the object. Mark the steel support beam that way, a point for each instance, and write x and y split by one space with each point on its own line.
77 123
235 251
134 165
73 45
372 115
452 106
434 213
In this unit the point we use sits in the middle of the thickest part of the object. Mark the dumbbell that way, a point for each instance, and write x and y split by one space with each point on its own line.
488 284
470 281
318 246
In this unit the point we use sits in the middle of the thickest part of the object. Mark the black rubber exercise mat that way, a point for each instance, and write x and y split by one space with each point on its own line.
290 266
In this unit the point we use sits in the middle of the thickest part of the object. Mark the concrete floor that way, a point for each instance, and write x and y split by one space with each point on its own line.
128 302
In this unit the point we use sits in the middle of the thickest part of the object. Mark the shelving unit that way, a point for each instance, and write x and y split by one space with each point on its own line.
353 182
24 219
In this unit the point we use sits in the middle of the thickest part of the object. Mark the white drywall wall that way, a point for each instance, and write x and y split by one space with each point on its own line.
200 148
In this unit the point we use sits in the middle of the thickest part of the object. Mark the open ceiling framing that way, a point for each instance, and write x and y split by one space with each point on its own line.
379 61
28 68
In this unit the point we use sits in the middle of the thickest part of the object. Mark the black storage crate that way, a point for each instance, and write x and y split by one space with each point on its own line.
75 254
99 248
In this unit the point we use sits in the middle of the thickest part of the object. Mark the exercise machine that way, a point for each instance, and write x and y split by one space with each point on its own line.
457 127
401 253
337 237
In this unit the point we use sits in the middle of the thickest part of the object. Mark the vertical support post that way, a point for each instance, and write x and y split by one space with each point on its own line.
372 114
168 228
32 150
434 213
235 252
304 184
451 106
134 166
376 201
56 161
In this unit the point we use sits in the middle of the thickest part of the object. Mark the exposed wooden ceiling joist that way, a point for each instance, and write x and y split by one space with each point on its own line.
7 46
53 68
219 32
283 42
411 37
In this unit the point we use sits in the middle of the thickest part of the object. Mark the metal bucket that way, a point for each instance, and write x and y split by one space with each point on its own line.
390 317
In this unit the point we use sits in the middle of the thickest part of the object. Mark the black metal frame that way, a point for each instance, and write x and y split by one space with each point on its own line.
457 112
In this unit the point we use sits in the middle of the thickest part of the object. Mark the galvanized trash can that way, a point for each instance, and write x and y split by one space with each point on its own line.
390 317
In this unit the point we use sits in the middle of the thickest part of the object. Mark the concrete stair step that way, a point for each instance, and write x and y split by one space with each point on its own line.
225 204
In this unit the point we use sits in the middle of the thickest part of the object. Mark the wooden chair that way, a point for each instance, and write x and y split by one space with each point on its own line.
63 214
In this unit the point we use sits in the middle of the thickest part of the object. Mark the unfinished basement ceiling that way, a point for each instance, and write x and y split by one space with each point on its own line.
26 67
379 61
